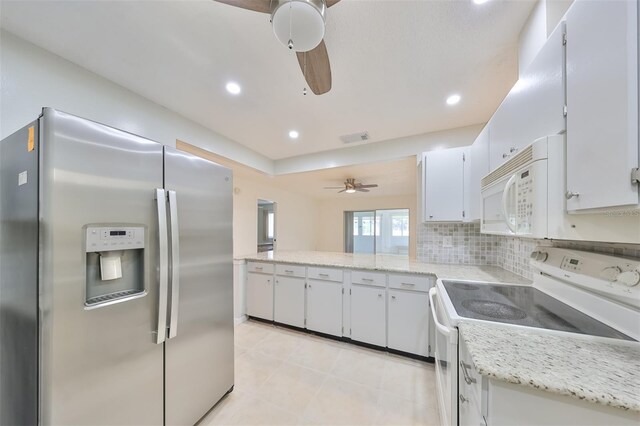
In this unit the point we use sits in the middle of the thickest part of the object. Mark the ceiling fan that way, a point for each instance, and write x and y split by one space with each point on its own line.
350 186
299 25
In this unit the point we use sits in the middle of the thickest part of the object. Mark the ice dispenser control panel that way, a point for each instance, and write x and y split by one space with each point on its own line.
114 238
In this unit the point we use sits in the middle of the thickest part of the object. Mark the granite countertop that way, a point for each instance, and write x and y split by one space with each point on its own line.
390 263
603 372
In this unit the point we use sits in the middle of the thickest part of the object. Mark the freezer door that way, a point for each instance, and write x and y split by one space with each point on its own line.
99 366
199 350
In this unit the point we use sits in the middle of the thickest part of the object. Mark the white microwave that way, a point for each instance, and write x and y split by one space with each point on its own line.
518 196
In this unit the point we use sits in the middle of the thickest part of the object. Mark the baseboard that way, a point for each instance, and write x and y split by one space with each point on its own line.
240 320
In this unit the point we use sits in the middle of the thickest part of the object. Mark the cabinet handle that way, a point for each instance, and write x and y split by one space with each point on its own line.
268 281
570 194
513 149
463 399
379 294
505 155
309 285
288 271
393 297
367 279
277 282
323 275
467 378
409 284
430 216
259 268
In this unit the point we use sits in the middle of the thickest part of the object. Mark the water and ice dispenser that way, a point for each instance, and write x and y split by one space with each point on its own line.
115 264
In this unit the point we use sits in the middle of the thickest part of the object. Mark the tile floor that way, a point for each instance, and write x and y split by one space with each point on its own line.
285 377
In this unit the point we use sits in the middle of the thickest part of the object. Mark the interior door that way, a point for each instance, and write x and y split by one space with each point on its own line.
99 366
199 348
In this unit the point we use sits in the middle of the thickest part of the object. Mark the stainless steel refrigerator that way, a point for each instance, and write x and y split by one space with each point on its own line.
115 278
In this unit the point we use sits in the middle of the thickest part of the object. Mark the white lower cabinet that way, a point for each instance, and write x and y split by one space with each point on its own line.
260 295
408 329
368 315
289 301
324 306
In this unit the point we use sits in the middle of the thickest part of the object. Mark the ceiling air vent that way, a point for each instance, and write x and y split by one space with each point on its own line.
355 137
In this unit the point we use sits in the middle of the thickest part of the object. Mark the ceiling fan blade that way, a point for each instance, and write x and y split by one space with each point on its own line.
344 190
316 69
362 190
331 2
263 6
333 187
373 185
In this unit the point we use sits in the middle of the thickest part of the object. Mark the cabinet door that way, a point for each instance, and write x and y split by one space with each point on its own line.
478 166
260 296
534 107
368 315
602 103
324 307
444 185
289 301
409 322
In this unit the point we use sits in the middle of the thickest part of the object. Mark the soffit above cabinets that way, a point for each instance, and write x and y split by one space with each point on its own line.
393 64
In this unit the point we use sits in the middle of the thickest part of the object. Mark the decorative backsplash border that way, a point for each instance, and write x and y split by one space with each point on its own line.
470 247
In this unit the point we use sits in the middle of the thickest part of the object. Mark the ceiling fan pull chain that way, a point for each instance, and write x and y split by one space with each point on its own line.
304 73
290 44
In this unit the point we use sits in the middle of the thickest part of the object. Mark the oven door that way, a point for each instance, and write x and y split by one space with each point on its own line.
446 360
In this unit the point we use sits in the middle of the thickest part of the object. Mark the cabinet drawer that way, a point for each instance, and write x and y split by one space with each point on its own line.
470 381
369 278
411 282
326 274
291 271
260 267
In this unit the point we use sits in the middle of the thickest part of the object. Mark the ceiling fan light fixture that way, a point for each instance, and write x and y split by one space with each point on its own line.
299 24
350 191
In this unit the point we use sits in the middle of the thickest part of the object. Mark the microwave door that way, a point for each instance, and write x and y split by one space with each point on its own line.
509 204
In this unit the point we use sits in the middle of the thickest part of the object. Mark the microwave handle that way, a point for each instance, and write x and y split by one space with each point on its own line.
505 193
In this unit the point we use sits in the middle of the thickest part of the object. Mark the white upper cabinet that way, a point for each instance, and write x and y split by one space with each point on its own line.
477 168
602 104
443 185
534 107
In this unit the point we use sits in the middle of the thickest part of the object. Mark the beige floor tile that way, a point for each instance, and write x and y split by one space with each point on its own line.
395 410
280 344
222 413
254 411
340 402
315 354
291 387
249 334
252 369
360 366
409 380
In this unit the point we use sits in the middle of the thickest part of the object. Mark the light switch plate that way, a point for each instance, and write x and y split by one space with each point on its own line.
447 242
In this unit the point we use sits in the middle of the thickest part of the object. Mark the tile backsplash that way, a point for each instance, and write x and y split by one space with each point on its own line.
467 246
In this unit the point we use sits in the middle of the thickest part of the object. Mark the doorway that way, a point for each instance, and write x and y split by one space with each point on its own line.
377 231
266 225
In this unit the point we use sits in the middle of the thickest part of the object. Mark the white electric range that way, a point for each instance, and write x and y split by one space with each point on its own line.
573 291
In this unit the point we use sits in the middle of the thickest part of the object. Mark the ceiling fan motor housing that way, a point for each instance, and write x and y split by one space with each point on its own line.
299 24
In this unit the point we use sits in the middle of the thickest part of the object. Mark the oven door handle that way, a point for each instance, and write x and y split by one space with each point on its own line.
505 195
441 328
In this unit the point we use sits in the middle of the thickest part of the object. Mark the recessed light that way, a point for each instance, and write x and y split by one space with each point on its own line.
293 134
480 1
233 88
453 99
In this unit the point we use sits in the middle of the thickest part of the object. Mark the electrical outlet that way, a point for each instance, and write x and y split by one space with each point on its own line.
447 242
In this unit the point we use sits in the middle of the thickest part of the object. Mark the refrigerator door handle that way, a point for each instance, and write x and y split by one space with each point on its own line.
175 264
161 201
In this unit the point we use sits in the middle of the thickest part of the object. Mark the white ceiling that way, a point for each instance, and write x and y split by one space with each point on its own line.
394 62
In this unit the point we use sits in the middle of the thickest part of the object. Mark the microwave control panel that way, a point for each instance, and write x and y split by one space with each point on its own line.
524 200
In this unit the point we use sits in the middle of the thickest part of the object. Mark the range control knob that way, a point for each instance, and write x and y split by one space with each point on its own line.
629 278
542 256
610 273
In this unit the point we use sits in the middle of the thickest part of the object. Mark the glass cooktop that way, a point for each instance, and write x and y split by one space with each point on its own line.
521 305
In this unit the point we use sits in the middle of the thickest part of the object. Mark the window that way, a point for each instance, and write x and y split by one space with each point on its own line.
270 225
400 226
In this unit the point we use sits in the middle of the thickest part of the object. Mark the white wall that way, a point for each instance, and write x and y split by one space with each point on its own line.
32 78
330 223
